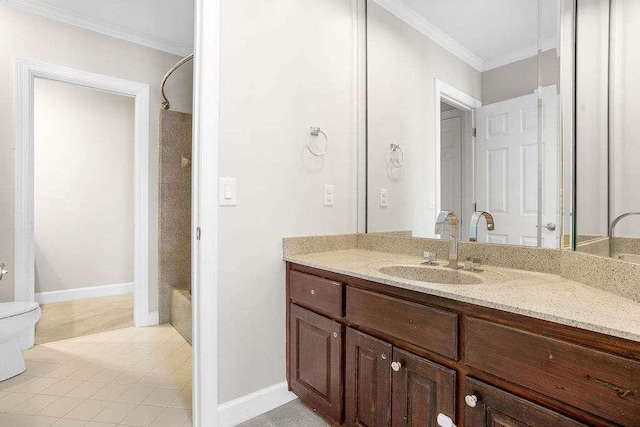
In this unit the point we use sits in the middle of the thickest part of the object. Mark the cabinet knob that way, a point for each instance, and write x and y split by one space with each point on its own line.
313 292
444 421
471 400
396 366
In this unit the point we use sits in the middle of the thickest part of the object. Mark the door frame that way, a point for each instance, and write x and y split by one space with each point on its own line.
460 100
204 221
26 73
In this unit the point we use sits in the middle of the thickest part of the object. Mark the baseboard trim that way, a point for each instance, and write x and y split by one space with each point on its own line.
154 318
82 293
246 407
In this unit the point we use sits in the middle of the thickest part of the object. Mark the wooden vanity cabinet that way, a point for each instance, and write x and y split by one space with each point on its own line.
389 386
316 361
491 407
368 380
367 354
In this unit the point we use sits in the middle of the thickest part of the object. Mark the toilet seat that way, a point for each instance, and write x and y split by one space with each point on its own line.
11 309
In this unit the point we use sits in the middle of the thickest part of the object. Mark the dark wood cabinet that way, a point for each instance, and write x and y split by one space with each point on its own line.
428 327
316 361
368 380
389 386
564 371
366 354
421 390
492 407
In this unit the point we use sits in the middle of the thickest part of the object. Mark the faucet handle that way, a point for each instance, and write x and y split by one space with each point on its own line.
473 264
3 271
430 257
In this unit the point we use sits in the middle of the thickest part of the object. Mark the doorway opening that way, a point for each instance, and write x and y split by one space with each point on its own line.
456 164
25 227
83 210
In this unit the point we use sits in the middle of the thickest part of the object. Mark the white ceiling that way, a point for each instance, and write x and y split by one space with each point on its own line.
162 24
496 32
485 33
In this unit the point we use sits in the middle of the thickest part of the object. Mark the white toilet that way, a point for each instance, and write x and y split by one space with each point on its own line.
15 319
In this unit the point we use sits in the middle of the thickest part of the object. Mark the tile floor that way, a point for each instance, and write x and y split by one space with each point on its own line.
126 377
70 319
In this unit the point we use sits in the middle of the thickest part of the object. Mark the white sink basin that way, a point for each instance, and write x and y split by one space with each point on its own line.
431 275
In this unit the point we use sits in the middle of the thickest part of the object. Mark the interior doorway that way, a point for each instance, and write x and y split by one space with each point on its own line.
83 210
28 72
456 160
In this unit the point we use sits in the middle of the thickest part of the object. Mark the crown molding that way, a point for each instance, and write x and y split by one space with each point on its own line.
426 27
520 54
93 24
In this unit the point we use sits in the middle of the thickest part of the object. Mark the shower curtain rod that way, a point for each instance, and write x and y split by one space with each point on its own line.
165 102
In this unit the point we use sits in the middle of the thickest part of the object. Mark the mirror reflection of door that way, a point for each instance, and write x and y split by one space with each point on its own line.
517 177
498 65
455 157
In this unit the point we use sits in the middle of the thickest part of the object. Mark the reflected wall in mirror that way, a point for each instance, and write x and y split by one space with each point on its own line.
469 92
607 200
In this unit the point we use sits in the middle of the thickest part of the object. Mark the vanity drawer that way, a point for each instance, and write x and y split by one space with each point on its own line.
597 382
324 295
431 328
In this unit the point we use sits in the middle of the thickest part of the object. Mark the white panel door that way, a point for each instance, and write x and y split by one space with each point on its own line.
551 167
507 169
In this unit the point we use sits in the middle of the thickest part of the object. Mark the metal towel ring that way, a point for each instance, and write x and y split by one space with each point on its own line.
396 156
316 151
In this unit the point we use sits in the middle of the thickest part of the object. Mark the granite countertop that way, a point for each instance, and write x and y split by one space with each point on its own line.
539 295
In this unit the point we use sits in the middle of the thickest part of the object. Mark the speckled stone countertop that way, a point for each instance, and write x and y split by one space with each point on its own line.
535 294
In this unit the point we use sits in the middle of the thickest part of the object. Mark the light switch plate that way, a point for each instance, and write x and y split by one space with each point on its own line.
384 201
328 195
227 192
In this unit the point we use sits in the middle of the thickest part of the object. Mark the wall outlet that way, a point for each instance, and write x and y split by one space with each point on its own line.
384 201
328 195
227 192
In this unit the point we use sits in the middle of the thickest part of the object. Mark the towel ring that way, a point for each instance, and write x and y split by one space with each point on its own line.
396 156
317 149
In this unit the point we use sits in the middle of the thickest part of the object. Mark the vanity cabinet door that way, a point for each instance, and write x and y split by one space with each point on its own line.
421 390
368 380
492 407
316 361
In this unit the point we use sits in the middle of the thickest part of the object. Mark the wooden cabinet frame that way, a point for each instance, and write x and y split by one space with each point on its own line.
618 348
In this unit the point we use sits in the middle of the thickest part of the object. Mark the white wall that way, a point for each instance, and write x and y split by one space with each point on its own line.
37 38
83 187
591 117
625 144
402 66
285 65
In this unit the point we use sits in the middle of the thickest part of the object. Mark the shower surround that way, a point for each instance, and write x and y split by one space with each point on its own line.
174 222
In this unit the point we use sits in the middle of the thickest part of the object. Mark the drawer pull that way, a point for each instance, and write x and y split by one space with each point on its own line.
471 400
396 366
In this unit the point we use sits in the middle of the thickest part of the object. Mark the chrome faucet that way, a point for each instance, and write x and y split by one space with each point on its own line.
475 219
452 219
612 229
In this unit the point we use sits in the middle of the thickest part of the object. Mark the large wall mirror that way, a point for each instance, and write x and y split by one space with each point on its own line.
463 104
607 152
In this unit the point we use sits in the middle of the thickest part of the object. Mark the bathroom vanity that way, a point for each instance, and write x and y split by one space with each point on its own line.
366 348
